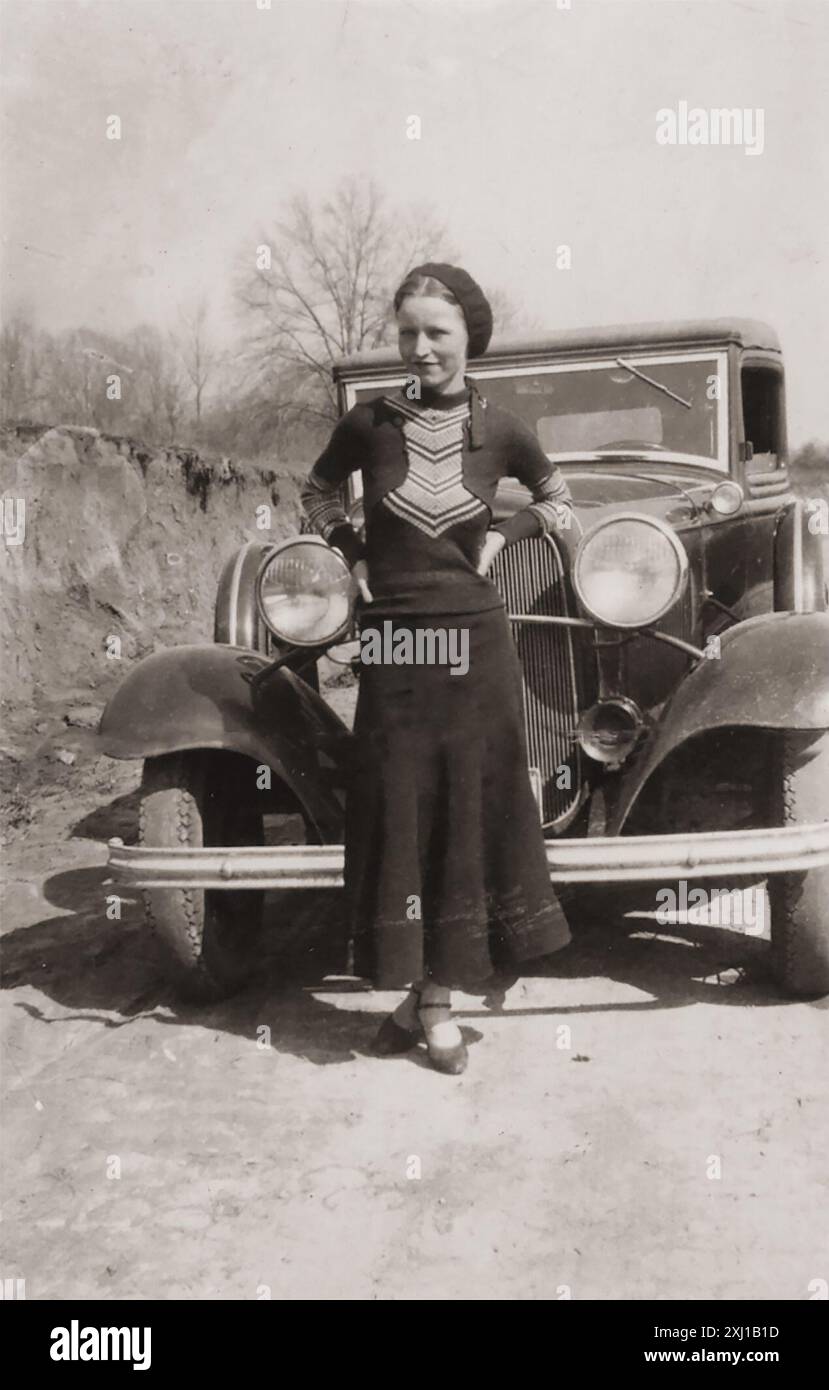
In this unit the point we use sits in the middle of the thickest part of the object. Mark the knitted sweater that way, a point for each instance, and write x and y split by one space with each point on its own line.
429 478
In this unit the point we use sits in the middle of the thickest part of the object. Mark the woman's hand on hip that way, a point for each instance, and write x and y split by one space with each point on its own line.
493 542
359 572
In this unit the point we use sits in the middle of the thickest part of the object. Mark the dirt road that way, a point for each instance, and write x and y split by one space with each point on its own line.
641 1119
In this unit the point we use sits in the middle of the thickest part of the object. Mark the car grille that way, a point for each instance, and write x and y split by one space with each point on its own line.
530 576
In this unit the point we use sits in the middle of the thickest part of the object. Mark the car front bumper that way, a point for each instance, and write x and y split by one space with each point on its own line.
618 859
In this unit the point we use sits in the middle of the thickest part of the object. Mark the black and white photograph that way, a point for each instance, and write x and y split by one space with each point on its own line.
414 710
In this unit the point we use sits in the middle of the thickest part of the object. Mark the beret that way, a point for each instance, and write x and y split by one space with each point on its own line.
471 298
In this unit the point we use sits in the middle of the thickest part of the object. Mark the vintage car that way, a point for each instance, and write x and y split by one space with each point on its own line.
674 640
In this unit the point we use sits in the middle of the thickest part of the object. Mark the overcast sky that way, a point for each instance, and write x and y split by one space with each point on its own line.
538 129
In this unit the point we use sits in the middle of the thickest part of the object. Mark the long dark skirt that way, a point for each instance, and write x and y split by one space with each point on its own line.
445 869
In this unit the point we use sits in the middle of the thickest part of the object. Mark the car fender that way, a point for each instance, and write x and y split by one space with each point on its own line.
237 620
799 577
220 697
772 672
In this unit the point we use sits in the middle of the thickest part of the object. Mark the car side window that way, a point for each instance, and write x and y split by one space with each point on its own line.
762 418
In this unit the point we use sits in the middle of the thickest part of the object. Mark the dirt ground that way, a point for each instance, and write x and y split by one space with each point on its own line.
255 1149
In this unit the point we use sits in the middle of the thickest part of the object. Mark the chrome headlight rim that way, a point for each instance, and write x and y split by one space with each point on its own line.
666 530
268 559
727 487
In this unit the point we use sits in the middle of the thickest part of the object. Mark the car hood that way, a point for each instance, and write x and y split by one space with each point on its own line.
602 489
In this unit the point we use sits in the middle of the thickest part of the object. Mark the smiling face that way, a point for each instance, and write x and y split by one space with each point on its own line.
432 338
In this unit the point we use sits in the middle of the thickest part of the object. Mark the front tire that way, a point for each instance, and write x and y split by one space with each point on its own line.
208 939
800 901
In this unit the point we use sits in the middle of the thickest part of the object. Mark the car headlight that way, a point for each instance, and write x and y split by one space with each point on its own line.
304 592
629 570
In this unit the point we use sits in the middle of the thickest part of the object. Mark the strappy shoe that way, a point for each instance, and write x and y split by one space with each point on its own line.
451 1060
392 1039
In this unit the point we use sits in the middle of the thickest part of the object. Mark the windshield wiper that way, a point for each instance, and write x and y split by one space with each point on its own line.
629 367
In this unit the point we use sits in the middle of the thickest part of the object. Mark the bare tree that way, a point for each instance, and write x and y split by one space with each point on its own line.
198 355
508 318
16 368
47 378
161 384
73 380
322 283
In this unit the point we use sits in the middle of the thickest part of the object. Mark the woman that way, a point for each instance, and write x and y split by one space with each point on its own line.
445 868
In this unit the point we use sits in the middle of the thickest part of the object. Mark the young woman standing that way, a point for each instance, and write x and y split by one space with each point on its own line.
445 868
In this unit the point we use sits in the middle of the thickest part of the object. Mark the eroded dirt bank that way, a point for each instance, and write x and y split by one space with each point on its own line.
119 540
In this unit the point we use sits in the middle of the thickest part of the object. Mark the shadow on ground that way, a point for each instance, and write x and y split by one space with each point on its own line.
118 818
91 965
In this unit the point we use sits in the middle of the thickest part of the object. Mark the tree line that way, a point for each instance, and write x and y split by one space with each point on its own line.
315 286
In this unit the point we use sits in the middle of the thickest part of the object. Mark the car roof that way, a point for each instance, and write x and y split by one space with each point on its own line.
676 333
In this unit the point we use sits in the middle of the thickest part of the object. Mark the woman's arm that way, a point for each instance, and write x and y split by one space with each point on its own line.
552 505
321 492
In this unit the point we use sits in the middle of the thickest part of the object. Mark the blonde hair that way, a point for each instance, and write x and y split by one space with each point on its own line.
421 286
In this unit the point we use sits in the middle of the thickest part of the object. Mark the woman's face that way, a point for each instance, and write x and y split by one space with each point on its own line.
432 337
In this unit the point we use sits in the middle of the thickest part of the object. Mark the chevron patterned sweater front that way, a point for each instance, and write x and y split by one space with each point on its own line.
429 497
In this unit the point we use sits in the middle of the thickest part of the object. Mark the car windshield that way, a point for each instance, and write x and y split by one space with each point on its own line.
630 404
